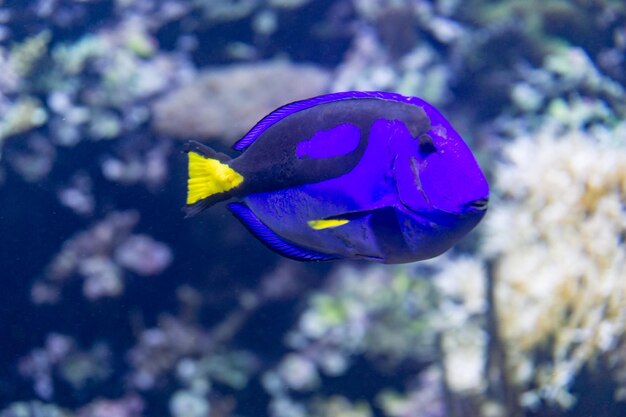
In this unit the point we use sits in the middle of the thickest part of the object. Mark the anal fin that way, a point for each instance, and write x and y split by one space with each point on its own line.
273 241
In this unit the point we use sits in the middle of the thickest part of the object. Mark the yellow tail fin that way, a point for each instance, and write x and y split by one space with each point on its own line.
208 176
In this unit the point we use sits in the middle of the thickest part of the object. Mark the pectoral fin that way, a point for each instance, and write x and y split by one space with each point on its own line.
326 224
341 219
383 220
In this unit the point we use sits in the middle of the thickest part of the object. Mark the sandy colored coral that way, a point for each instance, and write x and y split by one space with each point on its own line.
227 102
557 239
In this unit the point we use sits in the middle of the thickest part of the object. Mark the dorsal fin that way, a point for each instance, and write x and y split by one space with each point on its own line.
291 108
270 239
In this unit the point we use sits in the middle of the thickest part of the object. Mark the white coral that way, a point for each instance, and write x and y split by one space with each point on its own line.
560 258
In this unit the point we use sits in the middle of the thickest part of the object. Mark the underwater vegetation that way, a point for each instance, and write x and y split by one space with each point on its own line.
114 305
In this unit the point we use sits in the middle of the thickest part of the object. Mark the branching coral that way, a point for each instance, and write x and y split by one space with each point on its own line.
100 255
202 361
23 115
60 358
569 89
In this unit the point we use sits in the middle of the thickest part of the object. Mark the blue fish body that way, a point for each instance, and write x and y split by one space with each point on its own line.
358 175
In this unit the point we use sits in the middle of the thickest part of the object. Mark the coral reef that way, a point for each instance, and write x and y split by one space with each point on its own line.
112 305
392 319
388 55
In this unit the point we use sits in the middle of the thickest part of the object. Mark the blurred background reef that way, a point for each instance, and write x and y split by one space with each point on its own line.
113 305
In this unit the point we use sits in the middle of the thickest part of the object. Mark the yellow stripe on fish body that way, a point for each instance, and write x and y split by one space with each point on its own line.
326 224
209 176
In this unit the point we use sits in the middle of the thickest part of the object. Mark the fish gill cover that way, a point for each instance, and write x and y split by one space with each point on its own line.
113 304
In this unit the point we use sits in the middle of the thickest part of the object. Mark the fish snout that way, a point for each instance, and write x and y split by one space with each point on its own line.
478 206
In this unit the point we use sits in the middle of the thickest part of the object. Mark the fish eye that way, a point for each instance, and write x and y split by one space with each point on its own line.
480 205
426 144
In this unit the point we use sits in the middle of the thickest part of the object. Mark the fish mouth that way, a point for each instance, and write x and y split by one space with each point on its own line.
479 205
473 209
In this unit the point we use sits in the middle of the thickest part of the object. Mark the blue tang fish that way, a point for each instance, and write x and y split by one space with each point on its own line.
358 175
